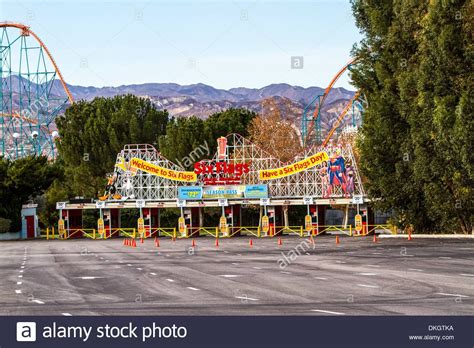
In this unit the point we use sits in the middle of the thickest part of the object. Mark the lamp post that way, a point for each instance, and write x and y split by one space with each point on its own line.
15 138
54 135
34 135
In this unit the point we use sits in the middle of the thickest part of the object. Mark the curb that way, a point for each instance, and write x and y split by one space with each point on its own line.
429 236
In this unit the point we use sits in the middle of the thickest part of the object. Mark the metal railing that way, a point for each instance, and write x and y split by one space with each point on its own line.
256 231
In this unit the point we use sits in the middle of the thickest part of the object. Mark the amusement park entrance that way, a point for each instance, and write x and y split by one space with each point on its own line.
244 190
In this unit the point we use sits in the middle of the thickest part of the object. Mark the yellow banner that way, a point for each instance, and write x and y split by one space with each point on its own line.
314 160
162 172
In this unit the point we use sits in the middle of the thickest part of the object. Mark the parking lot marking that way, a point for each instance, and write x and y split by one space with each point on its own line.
367 274
139 268
89 278
170 280
321 278
38 301
367 286
153 273
246 298
327 312
257 267
191 288
455 295
415 269
18 291
445 257
20 276
18 283
230 275
67 314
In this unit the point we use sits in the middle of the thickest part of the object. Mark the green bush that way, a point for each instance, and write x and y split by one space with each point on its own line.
5 225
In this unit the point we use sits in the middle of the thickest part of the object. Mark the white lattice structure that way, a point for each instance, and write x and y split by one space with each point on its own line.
309 183
141 185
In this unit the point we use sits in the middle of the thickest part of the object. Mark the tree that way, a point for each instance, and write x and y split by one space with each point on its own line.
189 140
274 134
444 145
414 66
21 181
93 133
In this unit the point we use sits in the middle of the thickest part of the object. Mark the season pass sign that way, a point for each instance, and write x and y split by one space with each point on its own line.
223 191
309 162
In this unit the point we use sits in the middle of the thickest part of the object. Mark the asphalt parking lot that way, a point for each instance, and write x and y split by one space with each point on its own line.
356 277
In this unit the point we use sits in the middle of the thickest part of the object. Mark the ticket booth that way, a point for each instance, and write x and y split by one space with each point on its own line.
232 214
275 219
72 221
111 221
151 219
313 213
271 220
192 220
29 221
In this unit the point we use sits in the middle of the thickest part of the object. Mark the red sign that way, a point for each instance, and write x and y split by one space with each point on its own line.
219 173
221 148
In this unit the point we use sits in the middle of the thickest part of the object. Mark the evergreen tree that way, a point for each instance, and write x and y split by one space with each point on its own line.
93 132
415 64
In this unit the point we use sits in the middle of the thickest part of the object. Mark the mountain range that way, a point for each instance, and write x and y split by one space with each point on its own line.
202 100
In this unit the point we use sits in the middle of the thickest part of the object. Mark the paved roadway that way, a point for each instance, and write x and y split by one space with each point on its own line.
356 277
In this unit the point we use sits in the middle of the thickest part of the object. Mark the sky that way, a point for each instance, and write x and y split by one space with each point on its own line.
224 44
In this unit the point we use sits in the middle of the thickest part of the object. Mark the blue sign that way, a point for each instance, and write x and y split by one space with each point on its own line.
256 191
224 191
190 192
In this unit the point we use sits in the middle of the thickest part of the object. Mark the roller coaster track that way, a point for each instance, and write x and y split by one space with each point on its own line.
26 31
27 113
26 119
340 118
308 125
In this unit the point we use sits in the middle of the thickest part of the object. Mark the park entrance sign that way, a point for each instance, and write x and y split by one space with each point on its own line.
240 173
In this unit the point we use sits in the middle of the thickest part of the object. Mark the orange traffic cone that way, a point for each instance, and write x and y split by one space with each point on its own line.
217 242
157 242
134 243
375 238
250 242
127 242
337 239
141 240
279 241
409 236
194 243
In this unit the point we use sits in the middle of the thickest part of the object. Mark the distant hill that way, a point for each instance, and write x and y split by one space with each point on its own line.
202 100
204 93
